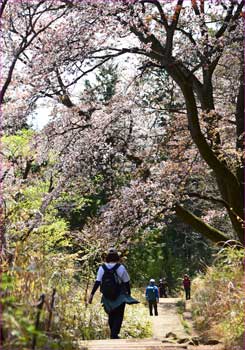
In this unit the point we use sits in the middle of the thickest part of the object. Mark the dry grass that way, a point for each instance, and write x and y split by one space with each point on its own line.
218 304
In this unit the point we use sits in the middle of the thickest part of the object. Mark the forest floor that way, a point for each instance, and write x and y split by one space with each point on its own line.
169 333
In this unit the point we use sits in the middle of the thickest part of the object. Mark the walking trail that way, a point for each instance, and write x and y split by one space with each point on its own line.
167 331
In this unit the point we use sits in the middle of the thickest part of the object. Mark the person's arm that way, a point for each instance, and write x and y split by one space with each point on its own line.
96 284
125 279
146 294
157 294
95 287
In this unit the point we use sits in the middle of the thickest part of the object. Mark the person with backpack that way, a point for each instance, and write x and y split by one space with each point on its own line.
187 286
114 282
152 297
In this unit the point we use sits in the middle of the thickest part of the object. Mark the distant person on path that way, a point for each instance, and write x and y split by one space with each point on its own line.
114 282
152 297
187 287
162 288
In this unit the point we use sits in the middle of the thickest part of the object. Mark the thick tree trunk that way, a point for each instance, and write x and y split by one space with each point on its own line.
240 131
192 88
227 182
199 225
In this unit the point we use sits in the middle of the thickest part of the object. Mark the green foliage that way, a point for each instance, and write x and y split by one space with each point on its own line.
159 93
18 145
18 325
137 323
18 152
180 306
143 255
169 252
104 87
76 207
218 304
54 235
53 229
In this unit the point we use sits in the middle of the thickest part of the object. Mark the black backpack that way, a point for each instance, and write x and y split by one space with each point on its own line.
110 286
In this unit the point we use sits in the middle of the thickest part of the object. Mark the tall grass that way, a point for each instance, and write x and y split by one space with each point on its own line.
136 323
217 303
73 319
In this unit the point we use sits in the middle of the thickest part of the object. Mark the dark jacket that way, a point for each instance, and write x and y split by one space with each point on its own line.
186 282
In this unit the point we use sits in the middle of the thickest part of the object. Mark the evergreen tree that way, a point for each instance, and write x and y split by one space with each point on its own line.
104 87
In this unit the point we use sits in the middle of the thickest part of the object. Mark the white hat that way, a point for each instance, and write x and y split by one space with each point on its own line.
112 250
152 280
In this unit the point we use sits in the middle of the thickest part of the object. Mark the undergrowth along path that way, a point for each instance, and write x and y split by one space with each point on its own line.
165 326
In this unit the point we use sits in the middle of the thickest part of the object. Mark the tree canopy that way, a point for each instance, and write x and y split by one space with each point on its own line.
193 55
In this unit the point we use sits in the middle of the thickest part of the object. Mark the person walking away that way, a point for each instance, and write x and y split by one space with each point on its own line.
162 288
114 282
152 297
187 287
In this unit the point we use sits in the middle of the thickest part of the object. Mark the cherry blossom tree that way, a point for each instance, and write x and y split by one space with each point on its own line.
50 46
45 45
192 42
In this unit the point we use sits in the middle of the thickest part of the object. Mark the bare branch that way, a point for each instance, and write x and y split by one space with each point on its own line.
160 10
202 6
3 5
215 200
22 47
229 18
176 14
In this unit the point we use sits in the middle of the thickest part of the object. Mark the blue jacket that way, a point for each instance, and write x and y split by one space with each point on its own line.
151 293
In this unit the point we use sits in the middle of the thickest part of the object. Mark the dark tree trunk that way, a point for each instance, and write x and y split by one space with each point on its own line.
230 185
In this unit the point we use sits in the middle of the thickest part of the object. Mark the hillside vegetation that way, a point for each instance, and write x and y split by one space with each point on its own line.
218 303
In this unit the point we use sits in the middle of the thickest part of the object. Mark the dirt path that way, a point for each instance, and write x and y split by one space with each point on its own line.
166 322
